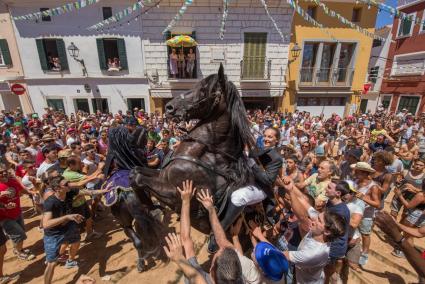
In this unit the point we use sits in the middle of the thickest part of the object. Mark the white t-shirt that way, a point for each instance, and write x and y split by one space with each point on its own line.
33 151
92 168
310 260
252 274
70 140
44 167
27 183
356 206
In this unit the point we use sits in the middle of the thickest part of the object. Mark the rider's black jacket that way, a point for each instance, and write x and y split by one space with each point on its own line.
266 174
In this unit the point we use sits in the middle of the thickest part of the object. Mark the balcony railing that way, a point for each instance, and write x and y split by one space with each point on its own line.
408 70
326 77
255 68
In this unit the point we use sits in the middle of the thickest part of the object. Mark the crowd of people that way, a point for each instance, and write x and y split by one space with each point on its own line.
323 183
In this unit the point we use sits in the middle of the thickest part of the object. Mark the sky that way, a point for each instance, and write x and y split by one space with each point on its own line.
385 18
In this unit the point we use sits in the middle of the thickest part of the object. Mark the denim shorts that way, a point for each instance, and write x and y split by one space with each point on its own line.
416 217
52 243
365 227
14 229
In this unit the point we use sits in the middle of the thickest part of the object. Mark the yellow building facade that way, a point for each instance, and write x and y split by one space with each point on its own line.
328 74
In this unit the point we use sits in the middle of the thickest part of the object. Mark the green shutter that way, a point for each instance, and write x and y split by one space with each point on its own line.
101 54
4 48
167 35
254 55
42 54
194 35
60 45
122 54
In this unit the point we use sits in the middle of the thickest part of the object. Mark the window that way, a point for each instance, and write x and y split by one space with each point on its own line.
112 54
107 12
409 65
100 105
311 11
133 103
5 58
373 74
376 43
422 29
328 54
182 61
52 54
409 103
56 104
345 61
321 101
386 100
82 105
45 18
405 26
356 16
309 61
254 56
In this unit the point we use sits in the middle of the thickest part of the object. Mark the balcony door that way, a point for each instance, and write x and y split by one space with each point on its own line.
345 62
254 58
328 54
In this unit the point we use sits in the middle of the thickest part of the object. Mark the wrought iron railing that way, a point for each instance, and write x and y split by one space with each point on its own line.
255 68
326 77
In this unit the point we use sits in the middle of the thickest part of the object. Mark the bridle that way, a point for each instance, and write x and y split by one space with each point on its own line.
216 98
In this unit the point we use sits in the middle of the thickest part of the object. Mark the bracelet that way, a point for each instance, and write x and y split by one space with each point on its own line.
400 241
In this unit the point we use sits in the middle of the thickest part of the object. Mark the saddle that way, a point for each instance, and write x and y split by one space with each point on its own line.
118 181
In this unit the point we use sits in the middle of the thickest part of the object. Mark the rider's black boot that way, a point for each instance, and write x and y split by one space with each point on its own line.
232 213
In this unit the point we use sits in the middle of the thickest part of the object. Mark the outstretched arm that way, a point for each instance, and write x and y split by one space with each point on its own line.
186 194
220 236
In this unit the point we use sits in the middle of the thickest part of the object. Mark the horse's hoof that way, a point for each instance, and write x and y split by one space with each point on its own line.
141 266
212 245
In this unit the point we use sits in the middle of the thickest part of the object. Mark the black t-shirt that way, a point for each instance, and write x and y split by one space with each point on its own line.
58 209
376 147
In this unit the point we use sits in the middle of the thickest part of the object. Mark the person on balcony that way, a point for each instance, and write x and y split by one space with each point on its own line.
191 57
173 63
114 64
181 63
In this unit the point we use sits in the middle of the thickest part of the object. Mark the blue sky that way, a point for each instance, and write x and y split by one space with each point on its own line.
385 18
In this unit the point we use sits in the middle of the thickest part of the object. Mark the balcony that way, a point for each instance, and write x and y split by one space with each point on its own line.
326 77
255 69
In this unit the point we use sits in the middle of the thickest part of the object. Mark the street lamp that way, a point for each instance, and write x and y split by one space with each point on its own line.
295 52
74 51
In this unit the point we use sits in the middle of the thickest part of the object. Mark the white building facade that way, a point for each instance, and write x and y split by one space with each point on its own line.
376 68
128 64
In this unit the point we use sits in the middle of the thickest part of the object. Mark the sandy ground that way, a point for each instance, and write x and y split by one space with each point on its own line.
112 258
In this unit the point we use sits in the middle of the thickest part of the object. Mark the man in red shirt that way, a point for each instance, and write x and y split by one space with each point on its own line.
11 218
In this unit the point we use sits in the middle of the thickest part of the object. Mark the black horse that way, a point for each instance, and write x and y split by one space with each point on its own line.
126 151
211 154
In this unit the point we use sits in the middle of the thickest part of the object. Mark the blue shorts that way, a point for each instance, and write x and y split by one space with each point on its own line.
365 227
14 229
52 243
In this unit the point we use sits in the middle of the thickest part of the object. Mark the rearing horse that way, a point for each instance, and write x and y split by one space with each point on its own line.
211 154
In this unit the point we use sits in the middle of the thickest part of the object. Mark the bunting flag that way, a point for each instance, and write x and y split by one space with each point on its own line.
57 11
223 19
300 11
178 16
120 15
345 21
272 19
393 11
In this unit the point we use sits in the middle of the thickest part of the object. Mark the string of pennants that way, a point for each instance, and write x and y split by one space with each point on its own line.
263 2
178 16
223 19
333 14
300 11
120 15
393 11
77 5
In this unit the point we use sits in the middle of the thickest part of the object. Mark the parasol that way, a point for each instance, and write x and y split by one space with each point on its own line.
181 41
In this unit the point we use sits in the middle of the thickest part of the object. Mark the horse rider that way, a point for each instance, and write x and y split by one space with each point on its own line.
265 177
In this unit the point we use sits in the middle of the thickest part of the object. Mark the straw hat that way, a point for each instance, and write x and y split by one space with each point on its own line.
362 166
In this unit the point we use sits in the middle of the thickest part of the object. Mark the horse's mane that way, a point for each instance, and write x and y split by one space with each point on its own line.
240 126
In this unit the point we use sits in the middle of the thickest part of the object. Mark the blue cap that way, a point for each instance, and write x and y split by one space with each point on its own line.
271 261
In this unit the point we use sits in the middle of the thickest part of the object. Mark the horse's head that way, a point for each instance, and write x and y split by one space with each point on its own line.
206 98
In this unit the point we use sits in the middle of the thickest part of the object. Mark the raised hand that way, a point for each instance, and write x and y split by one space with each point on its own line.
188 191
174 250
206 199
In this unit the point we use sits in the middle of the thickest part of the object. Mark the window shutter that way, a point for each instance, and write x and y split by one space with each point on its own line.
42 54
60 45
4 48
101 54
167 35
122 53
194 35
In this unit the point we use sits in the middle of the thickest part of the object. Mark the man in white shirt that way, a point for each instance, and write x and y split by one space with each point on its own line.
317 230
50 153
